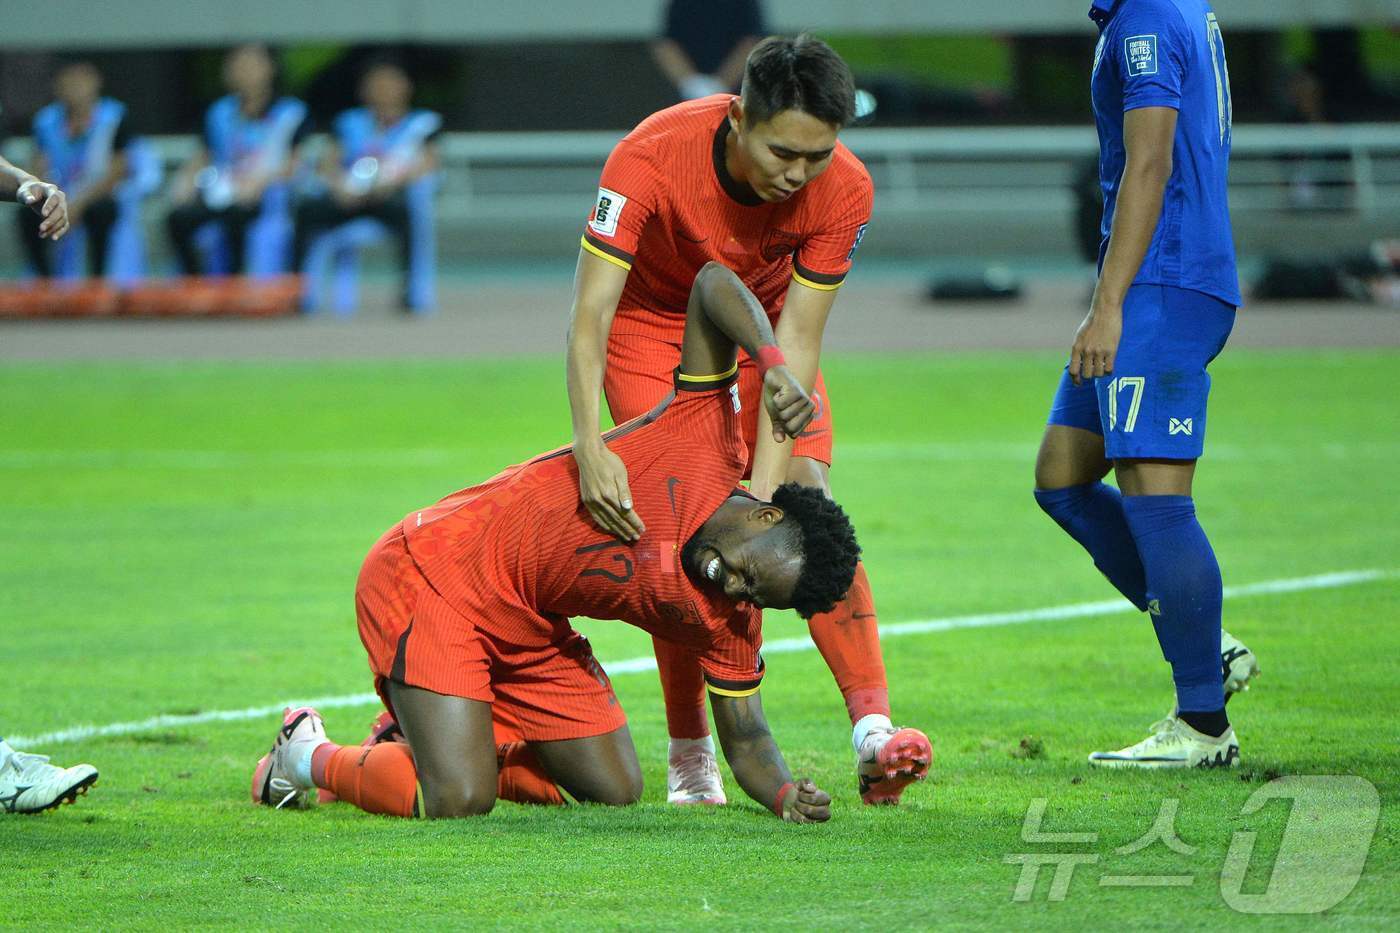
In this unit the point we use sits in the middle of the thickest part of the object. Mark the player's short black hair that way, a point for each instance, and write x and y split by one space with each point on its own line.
801 73
828 544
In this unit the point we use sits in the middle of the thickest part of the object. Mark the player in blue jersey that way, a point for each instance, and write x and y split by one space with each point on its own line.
376 155
80 141
1133 396
250 148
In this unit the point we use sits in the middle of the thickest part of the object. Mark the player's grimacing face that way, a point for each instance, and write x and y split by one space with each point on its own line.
743 552
782 154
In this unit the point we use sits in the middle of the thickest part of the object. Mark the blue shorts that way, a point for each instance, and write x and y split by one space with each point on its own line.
1153 405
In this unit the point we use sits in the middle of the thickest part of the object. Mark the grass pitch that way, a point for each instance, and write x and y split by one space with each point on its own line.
182 539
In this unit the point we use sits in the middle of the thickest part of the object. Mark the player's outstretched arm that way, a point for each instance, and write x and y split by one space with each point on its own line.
722 313
758 765
44 199
602 478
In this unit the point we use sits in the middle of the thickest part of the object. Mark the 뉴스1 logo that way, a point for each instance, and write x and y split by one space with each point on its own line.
1141 54
603 220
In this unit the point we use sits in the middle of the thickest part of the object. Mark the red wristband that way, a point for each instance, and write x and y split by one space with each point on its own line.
767 358
782 792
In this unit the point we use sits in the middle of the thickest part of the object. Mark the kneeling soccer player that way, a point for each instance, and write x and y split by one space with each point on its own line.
464 606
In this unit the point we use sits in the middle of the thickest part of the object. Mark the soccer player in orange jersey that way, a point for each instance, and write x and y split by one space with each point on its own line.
760 183
464 606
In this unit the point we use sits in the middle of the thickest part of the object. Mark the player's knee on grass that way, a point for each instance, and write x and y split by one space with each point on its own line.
602 769
450 799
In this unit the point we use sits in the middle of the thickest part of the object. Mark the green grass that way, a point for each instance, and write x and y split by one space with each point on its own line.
182 538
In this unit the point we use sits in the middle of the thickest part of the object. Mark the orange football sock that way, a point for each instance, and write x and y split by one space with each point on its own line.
521 778
683 687
378 779
849 641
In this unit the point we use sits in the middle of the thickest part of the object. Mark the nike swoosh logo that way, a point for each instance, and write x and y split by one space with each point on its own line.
671 484
691 239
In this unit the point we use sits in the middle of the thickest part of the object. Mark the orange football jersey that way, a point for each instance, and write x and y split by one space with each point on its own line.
519 554
667 205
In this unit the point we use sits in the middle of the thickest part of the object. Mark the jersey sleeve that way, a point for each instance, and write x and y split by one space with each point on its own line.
825 256
731 663
628 196
1154 47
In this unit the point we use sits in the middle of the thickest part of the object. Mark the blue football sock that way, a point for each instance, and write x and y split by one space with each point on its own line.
1183 594
1093 516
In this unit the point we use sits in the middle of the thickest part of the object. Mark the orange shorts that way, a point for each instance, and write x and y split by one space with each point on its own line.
639 375
549 688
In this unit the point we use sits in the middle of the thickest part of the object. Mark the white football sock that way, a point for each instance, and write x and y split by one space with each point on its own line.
868 724
301 771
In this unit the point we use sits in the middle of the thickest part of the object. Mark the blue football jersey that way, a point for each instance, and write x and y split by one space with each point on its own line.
1169 53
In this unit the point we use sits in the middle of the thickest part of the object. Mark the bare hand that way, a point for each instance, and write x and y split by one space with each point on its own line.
49 203
806 803
1096 343
602 486
789 406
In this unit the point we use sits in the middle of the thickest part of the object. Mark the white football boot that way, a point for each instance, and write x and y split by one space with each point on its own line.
29 784
692 776
1174 744
275 781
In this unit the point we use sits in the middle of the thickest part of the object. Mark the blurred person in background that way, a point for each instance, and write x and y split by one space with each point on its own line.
760 184
251 143
377 151
705 43
80 142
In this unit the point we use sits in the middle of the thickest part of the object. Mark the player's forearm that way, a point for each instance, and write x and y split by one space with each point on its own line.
727 305
11 177
802 350
672 60
731 70
1139 208
749 748
585 362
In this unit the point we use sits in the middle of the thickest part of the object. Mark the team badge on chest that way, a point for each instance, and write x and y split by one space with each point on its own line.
778 243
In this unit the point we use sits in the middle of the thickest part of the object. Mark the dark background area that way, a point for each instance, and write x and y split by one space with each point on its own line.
917 80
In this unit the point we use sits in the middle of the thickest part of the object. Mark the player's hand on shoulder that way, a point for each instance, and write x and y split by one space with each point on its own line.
1096 343
789 406
49 202
805 802
602 487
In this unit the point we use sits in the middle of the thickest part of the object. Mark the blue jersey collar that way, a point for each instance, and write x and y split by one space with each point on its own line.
1100 11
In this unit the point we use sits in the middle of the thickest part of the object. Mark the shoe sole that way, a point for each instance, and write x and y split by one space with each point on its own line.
692 801
70 795
904 759
1231 756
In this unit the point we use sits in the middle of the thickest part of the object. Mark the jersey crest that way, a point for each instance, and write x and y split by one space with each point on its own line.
778 243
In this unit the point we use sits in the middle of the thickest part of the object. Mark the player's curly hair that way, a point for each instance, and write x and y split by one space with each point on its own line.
801 73
828 544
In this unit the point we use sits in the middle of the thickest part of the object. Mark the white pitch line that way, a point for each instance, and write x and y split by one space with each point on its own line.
1324 581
